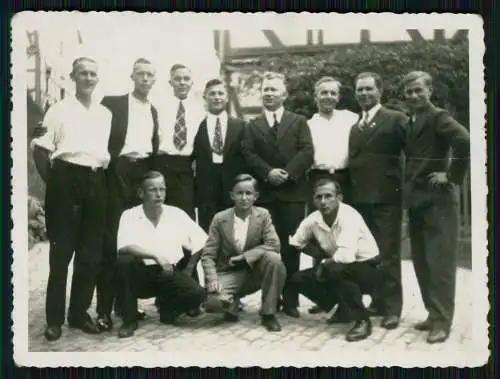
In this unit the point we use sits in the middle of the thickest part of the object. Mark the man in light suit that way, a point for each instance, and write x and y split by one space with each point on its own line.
241 256
279 150
376 143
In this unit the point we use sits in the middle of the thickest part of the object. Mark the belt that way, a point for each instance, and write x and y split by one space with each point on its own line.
63 163
132 159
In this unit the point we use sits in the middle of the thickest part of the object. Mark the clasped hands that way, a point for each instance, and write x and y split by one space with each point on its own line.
277 176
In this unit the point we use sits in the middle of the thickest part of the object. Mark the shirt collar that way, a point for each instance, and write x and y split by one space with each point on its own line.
319 117
222 117
132 98
317 218
279 114
371 112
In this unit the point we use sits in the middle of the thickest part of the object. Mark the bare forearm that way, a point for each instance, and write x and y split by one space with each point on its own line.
138 252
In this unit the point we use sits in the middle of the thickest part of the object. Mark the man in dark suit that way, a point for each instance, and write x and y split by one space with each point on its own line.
375 147
278 149
217 152
132 143
431 179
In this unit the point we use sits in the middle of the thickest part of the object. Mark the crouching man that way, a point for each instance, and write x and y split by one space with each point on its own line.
242 256
151 262
336 235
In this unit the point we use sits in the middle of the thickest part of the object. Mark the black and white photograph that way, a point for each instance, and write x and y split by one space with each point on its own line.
232 189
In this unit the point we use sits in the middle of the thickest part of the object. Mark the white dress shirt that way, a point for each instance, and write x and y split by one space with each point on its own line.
347 240
139 130
240 231
367 116
270 115
175 230
331 139
167 117
77 134
211 122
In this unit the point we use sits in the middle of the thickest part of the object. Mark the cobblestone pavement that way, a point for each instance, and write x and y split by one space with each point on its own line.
207 332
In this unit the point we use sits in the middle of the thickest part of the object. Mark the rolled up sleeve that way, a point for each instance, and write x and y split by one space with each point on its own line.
126 232
302 236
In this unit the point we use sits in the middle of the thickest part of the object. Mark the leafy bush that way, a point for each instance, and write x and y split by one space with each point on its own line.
37 231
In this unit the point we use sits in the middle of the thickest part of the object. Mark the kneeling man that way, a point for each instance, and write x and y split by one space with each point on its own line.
157 233
242 256
337 235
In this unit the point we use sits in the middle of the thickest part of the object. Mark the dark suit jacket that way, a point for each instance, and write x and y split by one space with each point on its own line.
233 161
118 105
220 245
375 161
430 138
290 149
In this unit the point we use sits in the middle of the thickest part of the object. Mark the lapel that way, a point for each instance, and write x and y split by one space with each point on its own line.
119 124
365 136
155 139
253 230
261 124
228 228
203 135
286 121
420 121
231 131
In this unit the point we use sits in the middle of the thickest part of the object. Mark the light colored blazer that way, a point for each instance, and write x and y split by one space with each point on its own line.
221 246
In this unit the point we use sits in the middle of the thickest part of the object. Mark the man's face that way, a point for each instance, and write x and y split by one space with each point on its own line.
326 199
85 77
244 195
144 77
273 93
152 191
327 96
417 94
367 93
181 82
216 98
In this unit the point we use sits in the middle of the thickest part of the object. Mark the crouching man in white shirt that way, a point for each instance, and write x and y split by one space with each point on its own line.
151 262
336 235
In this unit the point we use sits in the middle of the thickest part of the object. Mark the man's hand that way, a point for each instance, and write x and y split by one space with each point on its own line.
277 176
438 178
213 287
236 260
167 267
39 130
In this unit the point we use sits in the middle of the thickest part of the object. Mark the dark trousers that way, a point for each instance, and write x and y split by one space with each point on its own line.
178 174
433 232
123 178
214 200
286 218
75 206
176 293
341 283
384 221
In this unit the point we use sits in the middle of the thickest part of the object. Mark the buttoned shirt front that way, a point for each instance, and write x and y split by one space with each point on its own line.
211 122
367 116
174 231
331 139
240 231
77 134
139 129
167 117
347 240
270 115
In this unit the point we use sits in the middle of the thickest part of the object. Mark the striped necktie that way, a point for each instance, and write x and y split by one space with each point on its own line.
218 145
180 129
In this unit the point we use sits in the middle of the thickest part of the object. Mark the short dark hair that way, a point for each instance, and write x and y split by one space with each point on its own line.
151 175
376 77
324 181
176 67
79 60
245 178
213 82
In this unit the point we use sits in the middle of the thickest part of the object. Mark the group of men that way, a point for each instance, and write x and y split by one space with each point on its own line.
122 191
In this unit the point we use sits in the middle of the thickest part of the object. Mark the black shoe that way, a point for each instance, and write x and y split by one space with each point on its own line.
270 323
86 325
52 332
169 318
104 323
360 330
230 317
390 322
424 326
315 309
291 311
438 334
141 315
338 317
127 330
195 312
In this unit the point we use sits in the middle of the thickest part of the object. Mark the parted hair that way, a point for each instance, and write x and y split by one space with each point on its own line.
79 60
324 181
375 76
326 79
245 178
213 82
415 75
176 67
151 175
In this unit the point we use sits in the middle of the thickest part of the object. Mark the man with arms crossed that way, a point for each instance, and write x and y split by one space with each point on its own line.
278 150
337 235
71 157
431 182
160 233
241 255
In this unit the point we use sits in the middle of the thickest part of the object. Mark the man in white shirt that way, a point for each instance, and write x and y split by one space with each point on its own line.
180 117
337 235
71 157
242 256
159 234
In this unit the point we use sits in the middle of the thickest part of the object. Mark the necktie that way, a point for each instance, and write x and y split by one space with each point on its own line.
218 144
180 130
363 124
275 124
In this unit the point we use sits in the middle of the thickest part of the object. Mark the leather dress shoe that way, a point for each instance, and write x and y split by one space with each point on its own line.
52 332
270 323
141 315
104 323
127 330
86 325
169 318
424 326
360 330
438 334
338 317
291 311
390 322
195 312
231 317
